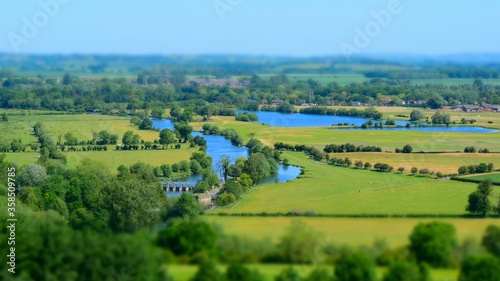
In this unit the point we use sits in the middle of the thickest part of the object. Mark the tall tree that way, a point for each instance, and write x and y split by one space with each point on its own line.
166 137
479 200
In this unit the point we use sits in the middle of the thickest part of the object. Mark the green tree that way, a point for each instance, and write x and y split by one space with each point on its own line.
406 271
289 274
433 243
133 205
129 138
167 170
183 131
491 240
440 118
480 268
146 124
4 117
223 164
479 201
157 112
299 244
238 272
167 137
416 115
355 267
188 237
319 274
207 271
407 149
186 206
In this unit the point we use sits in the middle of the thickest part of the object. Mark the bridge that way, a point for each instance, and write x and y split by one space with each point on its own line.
177 186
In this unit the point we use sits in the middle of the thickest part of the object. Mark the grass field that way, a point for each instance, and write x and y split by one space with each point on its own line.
446 163
349 231
113 158
388 140
492 177
270 271
326 189
82 126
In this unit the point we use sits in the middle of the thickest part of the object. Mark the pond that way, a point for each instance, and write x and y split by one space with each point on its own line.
218 146
307 120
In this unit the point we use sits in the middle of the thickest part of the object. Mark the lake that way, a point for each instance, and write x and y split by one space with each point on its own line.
307 120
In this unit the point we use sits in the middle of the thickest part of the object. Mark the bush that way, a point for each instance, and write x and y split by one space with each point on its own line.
357 266
406 271
480 268
433 243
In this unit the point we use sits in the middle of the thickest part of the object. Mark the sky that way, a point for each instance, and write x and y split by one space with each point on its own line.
254 27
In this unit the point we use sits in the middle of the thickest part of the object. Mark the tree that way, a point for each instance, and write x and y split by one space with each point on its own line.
299 244
186 206
433 243
167 170
167 137
416 115
491 240
289 274
129 138
406 271
257 167
480 268
188 237
146 124
132 205
479 201
32 175
354 267
401 170
135 120
157 112
407 149
225 199
238 272
319 274
183 131
207 271
4 117
440 118
223 164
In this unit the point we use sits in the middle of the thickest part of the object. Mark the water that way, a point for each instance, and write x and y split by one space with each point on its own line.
307 120
218 146
277 119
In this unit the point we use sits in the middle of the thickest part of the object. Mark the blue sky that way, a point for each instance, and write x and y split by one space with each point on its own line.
258 27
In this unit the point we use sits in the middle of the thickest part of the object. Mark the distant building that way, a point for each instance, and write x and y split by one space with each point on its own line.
470 108
355 103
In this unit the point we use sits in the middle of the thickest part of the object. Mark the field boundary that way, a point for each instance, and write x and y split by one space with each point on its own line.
311 214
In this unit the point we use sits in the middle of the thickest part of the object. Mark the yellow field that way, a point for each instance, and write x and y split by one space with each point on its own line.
442 162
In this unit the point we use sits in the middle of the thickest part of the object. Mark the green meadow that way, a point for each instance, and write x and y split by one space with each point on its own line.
492 177
325 189
270 271
388 140
348 231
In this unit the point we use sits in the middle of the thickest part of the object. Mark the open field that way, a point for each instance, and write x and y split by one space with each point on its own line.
494 177
112 158
446 163
270 271
22 158
388 140
326 189
349 231
81 125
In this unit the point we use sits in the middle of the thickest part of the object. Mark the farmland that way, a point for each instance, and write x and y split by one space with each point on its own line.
270 271
325 189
